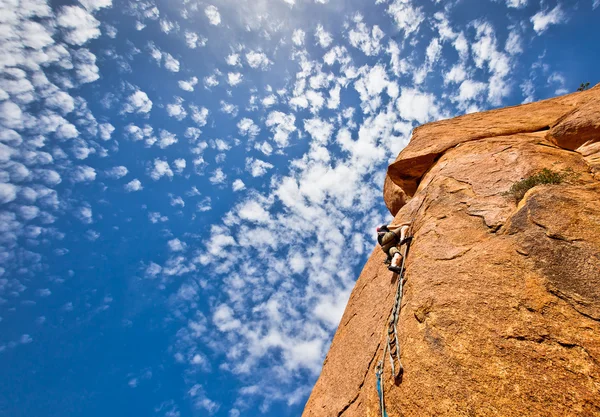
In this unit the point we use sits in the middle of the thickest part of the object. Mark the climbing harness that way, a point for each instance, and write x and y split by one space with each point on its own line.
392 343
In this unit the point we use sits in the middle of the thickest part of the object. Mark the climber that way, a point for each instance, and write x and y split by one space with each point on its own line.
391 237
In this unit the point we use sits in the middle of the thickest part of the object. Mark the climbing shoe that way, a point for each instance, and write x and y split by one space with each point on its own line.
406 240
395 269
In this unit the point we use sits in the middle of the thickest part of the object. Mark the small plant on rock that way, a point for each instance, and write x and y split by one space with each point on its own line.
545 176
583 86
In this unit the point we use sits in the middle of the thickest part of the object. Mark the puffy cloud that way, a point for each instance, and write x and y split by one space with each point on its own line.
138 102
211 81
199 115
8 193
319 130
256 167
544 18
11 115
298 37
176 245
364 39
247 127
516 3
282 126
116 172
171 63
166 139
83 173
134 185
84 214
218 176
85 68
257 59
189 84
229 108
417 105
176 109
213 15
106 130
61 101
407 17
160 169
324 38
93 5
80 26
238 185
179 165
234 78
193 40
233 59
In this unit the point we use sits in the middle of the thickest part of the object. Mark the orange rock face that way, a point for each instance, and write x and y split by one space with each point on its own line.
501 306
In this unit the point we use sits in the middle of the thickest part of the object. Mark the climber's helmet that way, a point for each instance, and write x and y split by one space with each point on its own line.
383 228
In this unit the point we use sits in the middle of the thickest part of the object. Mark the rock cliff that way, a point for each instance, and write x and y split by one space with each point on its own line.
501 307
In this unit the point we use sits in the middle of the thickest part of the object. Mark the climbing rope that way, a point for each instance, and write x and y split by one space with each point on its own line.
392 342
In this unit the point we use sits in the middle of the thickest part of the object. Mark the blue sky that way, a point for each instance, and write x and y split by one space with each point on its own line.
188 189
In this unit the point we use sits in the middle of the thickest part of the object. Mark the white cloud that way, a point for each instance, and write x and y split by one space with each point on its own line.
364 39
116 172
138 102
233 59
516 3
258 59
189 84
84 214
8 193
211 81
160 169
218 177
513 43
417 105
176 245
229 108
166 139
213 15
234 78
324 38
544 18
298 37
247 127
199 115
406 16
193 40
282 126
171 63
106 130
256 167
176 109
11 115
94 5
79 25
83 173
319 130
179 165
470 90
133 185
238 185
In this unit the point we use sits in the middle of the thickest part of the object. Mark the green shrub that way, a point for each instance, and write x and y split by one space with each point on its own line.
545 176
583 86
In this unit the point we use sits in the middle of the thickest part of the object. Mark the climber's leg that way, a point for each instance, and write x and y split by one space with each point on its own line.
403 235
396 262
